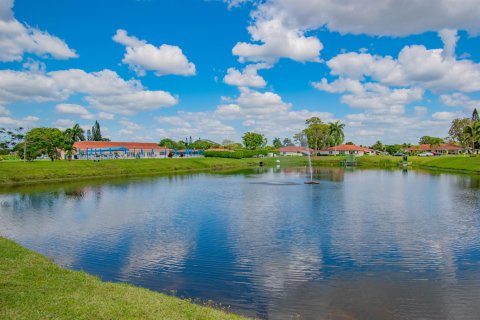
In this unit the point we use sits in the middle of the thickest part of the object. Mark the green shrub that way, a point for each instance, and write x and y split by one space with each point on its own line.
238 154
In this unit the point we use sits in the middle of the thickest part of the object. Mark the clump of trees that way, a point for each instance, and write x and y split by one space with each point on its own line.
200 144
318 135
466 132
9 138
432 141
45 141
254 141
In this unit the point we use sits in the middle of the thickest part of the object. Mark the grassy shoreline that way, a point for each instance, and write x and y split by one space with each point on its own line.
33 287
20 173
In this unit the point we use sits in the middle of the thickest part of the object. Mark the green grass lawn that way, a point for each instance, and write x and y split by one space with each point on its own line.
33 287
461 163
18 172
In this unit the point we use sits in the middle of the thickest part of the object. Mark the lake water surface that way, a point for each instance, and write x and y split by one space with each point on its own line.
363 244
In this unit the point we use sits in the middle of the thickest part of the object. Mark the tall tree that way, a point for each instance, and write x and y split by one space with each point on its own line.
432 141
300 139
252 140
44 141
378 146
277 143
89 135
202 144
287 142
9 138
71 136
336 132
96 132
317 133
473 131
457 131
168 143
475 115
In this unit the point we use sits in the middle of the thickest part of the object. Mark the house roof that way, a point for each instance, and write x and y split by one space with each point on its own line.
347 147
294 149
427 147
146 146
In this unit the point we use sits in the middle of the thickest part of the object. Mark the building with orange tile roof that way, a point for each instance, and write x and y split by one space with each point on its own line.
347 149
445 148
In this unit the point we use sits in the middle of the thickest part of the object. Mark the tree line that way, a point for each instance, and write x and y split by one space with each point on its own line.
464 132
31 144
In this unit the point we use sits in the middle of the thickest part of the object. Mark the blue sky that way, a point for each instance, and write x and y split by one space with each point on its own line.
390 70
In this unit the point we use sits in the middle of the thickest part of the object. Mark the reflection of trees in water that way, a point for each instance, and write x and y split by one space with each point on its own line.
36 201
329 174
76 193
326 174
472 182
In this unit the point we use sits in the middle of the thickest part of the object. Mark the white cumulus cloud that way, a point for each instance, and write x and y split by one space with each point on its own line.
104 90
68 108
248 77
163 60
17 38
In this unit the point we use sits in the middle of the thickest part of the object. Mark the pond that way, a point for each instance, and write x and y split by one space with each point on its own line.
362 244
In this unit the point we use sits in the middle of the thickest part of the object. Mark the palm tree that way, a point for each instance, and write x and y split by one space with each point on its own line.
77 133
473 131
71 135
336 132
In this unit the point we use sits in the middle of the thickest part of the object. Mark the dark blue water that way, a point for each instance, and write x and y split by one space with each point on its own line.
363 244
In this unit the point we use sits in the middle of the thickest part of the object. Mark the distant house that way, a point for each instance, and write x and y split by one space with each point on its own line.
444 148
294 151
110 149
346 149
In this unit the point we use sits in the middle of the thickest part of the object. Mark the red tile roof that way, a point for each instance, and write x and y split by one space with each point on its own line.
347 147
294 149
443 147
146 146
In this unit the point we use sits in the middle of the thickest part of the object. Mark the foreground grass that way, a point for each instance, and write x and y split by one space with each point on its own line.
33 287
18 172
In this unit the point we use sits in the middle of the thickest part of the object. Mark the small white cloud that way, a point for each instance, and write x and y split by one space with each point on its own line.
444 116
76 109
163 60
106 116
130 103
64 123
246 78
129 125
27 122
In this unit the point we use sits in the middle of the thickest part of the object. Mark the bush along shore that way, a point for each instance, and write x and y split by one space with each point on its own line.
17 172
33 287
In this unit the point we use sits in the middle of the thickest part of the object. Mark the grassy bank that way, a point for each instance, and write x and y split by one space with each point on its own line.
33 287
18 172
465 164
